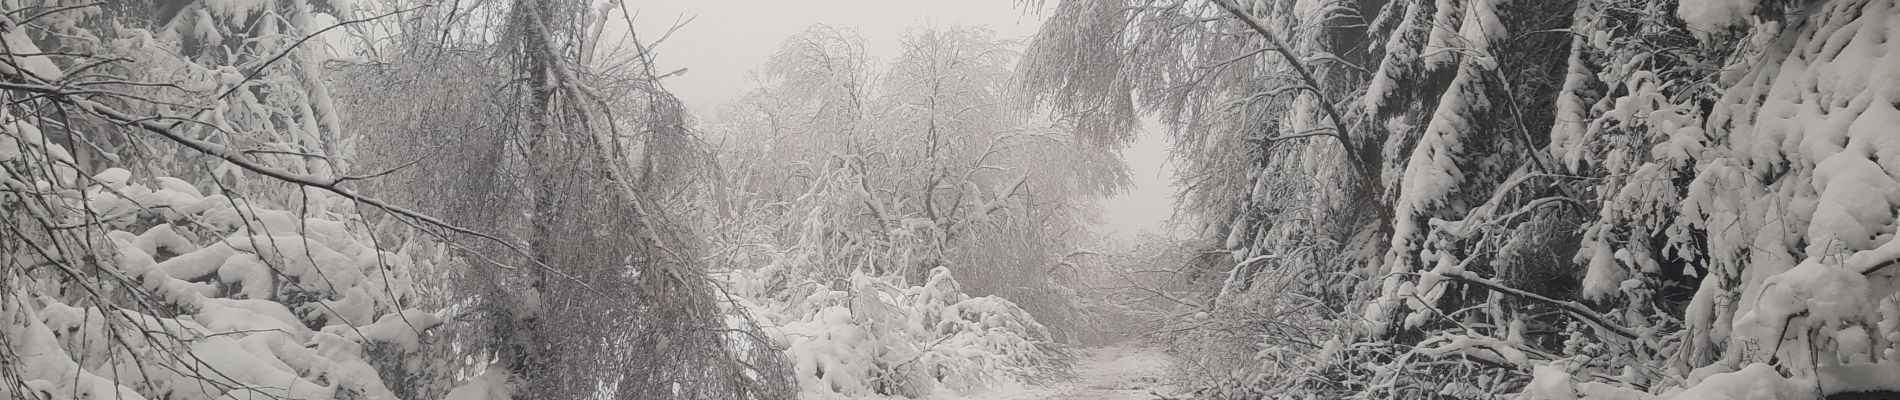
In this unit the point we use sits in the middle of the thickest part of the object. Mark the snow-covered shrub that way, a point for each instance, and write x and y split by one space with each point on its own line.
1265 340
879 337
117 286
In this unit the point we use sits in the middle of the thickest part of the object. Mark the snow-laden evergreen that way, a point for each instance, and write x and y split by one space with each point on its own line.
1587 199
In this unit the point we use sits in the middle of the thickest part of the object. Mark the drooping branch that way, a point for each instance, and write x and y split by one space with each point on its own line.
1571 307
259 70
1367 172
151 125
1322 131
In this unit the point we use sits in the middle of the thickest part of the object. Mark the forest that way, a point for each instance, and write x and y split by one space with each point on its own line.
1373 199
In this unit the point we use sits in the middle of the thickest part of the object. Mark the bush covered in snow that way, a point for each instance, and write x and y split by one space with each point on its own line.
145 288
877 336
292 280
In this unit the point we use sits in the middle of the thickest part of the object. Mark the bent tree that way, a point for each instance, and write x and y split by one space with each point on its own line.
188 216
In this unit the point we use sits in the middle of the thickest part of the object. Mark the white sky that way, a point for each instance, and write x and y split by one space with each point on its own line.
1147 206
731 37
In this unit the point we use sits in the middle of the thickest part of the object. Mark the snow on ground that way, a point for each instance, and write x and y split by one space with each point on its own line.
1107 373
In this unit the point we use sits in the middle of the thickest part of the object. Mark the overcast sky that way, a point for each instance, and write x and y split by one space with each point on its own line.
729 38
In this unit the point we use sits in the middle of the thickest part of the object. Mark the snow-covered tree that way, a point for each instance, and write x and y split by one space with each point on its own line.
296 277
851 187
122 283
1573 198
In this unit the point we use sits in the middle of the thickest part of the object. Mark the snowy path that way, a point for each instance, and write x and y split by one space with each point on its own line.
1109 373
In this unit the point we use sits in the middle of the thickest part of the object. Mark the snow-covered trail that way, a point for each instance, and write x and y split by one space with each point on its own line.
1109 373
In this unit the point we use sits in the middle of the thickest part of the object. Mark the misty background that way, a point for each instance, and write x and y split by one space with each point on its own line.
726 39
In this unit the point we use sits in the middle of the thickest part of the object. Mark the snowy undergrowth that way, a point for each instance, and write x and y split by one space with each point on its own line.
121 287
877 338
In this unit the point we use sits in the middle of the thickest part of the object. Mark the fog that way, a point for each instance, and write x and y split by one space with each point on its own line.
723 40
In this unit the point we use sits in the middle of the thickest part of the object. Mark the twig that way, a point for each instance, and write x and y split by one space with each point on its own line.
293 46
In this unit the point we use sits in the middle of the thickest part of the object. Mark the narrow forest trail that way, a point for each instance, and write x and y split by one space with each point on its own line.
1109 373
